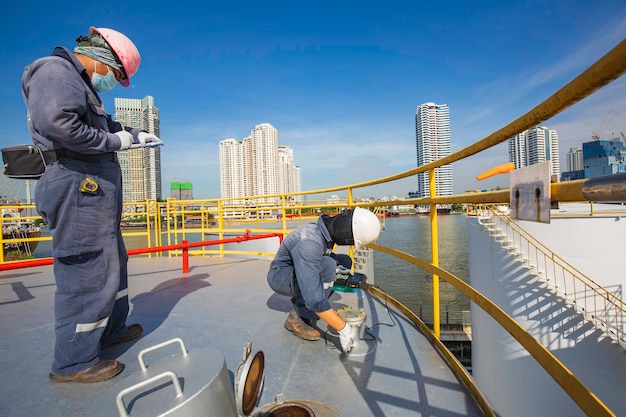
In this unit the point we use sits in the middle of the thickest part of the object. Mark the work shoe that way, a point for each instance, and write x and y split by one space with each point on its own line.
296 325
130 332
101 371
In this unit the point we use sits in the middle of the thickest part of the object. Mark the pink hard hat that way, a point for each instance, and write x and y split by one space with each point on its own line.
124 49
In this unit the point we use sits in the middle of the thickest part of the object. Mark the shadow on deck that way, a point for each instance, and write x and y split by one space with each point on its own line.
222 304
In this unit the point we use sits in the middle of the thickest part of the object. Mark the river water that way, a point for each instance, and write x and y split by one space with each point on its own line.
406 282
410 284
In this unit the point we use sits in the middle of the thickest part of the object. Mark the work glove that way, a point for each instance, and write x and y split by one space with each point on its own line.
343 270
146 140
346 337
126 138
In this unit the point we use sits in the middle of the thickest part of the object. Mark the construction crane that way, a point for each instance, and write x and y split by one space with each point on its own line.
605 123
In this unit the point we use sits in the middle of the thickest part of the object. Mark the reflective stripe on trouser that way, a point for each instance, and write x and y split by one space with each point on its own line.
89 258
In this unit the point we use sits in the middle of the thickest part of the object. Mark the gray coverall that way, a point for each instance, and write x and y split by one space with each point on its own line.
303 265
91 300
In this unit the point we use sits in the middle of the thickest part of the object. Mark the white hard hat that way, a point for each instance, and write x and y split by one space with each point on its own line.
365 227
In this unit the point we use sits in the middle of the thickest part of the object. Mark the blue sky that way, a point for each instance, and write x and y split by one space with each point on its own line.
339 80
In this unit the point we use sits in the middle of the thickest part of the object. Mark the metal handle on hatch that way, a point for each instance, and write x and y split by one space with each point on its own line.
120 397
160 345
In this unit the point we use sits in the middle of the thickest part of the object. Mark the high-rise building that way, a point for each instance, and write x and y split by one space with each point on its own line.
604 157
247 166
575 159
288 172
432 135
532 146
141 168
597 158
181 190
231 169
264 158
257 165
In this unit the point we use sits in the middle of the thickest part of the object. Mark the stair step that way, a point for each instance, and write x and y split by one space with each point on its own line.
542 278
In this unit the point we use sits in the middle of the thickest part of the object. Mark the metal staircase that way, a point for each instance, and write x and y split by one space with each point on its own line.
599 306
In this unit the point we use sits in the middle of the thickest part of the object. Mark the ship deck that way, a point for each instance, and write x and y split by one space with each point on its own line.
222 304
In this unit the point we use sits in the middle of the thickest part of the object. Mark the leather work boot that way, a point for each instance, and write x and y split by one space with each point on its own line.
296 325
130 332
101 371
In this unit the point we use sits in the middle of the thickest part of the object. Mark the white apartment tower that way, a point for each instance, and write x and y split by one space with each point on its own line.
532 146
231 167
575 159
141 168
432 133
264 158
247 168
288 172
257 165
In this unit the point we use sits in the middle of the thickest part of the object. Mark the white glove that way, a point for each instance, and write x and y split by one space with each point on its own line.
343 270
126 138
346 337
147 140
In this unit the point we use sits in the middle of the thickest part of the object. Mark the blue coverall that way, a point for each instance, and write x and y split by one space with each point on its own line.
302 265
91 300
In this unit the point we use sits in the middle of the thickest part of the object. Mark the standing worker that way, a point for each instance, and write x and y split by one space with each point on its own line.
304 268
80 196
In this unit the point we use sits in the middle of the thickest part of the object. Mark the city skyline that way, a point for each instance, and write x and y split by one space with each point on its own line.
340 81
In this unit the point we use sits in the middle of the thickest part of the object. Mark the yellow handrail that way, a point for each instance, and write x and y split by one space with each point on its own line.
586 400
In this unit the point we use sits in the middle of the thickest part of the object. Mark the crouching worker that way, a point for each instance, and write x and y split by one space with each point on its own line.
304 268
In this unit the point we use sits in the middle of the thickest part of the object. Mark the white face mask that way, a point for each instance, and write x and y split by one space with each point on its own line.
103 84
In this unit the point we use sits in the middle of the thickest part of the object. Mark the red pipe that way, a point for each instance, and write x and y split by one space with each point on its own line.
26 264
184 246
185 257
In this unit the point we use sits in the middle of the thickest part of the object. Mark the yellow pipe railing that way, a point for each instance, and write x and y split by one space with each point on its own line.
458 368
579 393
434 247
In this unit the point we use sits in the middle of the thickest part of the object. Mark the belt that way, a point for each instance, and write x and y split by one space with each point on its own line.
56 154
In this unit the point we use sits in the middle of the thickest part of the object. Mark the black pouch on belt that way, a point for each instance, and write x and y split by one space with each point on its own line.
23 162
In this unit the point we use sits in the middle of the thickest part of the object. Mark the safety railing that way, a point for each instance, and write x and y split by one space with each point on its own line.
183 249
20 231
598 305
586 399
220 218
